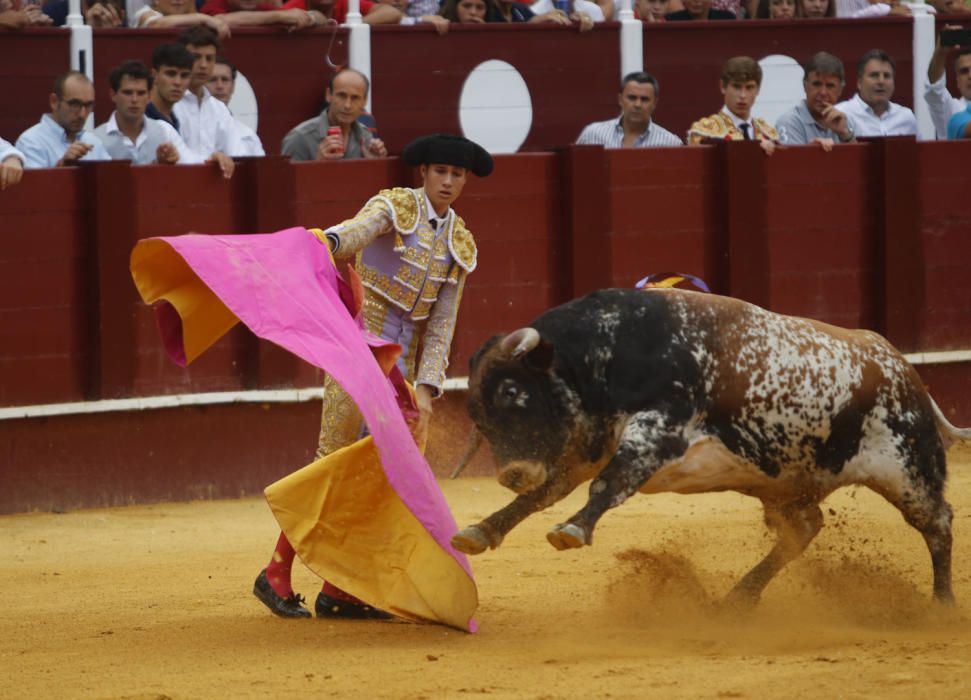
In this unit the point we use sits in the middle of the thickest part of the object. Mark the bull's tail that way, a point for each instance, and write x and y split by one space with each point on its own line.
949 433
475 441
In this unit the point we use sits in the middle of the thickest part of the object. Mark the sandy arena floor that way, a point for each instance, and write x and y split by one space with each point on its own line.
154 602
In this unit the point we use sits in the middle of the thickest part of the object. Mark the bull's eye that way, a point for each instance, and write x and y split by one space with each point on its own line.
511 394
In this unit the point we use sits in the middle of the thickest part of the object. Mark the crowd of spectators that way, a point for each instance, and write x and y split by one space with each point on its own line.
223 15
177 110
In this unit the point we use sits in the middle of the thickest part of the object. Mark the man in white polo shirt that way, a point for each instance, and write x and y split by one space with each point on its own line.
129 134
871 110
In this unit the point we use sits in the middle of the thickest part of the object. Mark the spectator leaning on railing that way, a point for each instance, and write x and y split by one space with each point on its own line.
635 128
59 138
128 134
871 110
816 119
163 14
14 17
11 165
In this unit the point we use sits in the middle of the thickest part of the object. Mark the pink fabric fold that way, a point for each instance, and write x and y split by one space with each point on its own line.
284 287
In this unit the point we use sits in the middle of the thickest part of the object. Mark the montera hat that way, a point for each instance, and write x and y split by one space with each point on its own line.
450 150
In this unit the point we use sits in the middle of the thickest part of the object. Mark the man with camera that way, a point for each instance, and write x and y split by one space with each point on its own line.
336 133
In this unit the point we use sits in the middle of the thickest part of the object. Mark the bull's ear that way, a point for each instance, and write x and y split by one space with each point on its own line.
541 357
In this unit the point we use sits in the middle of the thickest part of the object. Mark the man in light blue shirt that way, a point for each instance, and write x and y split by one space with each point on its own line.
129 134
59 138
11 165
816 119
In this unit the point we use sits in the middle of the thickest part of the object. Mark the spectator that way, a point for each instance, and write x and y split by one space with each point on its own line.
297 14
635 128
959 125
951 7
510 11
432 18
128 134
581 12
940 102
882 8
163 14
171 71
312 140
106 13
26 16
816 119
698 10
651 10
59 138
222 85
372 12
464 11
817 9
205 123
741 80
11 165
776 9
871 110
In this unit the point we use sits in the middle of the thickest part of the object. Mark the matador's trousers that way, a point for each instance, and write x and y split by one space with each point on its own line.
341 423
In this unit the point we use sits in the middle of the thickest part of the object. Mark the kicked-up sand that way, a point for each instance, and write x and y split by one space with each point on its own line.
154 602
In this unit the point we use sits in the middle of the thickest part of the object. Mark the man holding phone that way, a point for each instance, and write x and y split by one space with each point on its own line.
335 133
953 41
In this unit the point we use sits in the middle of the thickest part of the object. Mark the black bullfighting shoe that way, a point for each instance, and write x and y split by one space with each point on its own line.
329 606
284 607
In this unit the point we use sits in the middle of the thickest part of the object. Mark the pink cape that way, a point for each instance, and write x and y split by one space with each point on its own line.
285 288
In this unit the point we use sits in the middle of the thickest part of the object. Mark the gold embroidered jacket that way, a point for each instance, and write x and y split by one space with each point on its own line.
721 126
403 262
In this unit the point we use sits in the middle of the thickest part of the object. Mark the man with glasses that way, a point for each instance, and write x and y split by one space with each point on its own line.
59 138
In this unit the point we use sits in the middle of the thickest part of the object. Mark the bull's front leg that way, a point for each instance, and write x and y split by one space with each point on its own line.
648 441
490 532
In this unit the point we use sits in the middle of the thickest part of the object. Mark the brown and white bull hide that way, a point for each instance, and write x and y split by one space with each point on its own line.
672 390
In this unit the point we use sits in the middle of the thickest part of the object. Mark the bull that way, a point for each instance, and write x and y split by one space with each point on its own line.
678 391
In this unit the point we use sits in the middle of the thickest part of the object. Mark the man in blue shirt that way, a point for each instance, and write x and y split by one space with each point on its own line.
59 138
959 125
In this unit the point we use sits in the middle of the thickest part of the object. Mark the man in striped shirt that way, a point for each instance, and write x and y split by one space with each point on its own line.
634 128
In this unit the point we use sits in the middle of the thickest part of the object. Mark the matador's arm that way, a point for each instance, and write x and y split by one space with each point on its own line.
437 340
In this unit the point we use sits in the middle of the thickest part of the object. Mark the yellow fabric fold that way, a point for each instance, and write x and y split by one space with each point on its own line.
349 526
160 272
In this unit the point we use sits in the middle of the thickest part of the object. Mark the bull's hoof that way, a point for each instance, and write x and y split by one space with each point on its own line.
568 536
471 540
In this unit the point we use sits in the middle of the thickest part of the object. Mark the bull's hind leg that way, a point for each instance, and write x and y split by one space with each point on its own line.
796 524
928 512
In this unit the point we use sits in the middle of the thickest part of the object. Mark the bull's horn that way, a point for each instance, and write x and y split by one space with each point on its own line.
518 343
474 442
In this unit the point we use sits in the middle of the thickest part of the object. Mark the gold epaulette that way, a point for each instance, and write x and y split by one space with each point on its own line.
404 207
717 126
765 129
461 245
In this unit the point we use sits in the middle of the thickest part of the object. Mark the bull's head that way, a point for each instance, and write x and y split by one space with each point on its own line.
520 406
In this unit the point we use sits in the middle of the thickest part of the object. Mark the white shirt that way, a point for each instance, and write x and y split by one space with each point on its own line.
46 142
142 151
208 126
250 140
610 134
882 9
942 105
897 120
7 150
541 7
